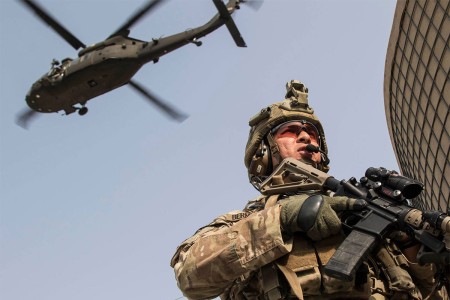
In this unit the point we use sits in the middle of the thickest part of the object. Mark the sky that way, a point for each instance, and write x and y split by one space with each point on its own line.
94 206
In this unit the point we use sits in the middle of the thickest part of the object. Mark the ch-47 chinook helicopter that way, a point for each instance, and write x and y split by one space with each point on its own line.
112 63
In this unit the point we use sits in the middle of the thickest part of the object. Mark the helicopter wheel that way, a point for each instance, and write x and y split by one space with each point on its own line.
82 111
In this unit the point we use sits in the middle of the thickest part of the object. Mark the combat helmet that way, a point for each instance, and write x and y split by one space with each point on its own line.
261 152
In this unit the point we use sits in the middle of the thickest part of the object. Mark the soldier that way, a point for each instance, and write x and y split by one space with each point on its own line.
276 246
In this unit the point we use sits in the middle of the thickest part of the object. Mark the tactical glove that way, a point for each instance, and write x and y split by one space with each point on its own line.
315 214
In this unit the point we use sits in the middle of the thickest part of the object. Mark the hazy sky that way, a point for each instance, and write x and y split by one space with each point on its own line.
94 207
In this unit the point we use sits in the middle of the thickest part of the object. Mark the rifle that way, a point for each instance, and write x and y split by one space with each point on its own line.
389 209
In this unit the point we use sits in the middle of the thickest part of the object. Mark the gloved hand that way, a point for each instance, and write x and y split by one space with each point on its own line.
315 214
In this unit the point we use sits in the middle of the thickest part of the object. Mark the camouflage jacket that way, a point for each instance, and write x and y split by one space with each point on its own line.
228 249
225 259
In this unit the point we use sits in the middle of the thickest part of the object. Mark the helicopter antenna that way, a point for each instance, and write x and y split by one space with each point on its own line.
172 112
134 18
61 30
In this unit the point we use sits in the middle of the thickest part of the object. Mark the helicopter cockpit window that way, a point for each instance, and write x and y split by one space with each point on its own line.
57 70
66 61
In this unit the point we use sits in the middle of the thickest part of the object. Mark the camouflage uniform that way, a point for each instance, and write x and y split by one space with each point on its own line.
246 254
229 257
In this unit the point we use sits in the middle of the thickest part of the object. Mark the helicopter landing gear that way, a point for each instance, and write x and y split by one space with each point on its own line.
82 111
196 42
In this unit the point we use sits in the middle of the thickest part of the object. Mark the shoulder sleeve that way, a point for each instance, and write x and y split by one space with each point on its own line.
232 245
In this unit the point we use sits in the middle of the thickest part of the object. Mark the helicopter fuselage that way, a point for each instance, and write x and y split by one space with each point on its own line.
112 63
95 72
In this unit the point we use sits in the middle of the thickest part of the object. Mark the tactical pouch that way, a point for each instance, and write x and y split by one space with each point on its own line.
272 286
306 260
303 261
394 267
425 275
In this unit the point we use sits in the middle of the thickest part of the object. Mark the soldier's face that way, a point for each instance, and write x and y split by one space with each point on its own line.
292 138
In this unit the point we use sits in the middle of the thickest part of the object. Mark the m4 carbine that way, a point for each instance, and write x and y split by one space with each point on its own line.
388 210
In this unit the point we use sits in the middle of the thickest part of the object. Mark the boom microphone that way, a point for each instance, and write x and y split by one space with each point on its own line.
312 148
315 149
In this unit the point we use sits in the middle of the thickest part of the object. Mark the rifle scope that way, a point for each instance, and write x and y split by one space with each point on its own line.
409 188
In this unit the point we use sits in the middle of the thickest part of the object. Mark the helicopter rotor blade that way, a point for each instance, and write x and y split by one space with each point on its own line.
172 112
63 32
25 117
229 23
136 16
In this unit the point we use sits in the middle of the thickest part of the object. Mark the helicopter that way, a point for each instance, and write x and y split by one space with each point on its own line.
112 63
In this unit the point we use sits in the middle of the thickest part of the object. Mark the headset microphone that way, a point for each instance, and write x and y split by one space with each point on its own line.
312 148
315 149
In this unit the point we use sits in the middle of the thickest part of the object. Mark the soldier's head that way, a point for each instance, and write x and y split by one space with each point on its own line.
285 129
